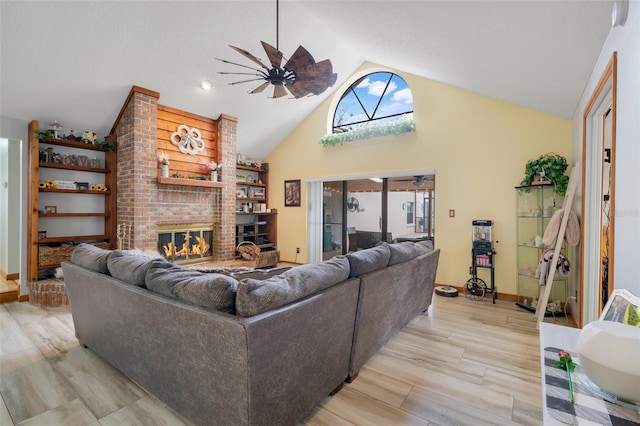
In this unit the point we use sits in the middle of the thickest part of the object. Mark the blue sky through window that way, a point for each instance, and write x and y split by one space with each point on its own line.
378 97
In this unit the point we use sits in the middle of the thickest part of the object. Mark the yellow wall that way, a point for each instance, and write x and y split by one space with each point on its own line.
477 145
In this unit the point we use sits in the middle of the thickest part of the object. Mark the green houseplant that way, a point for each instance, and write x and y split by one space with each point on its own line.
370 130
549 167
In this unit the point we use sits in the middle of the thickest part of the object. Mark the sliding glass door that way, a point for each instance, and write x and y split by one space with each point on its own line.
361 213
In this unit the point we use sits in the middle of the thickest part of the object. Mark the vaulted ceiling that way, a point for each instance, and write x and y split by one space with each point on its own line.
75 62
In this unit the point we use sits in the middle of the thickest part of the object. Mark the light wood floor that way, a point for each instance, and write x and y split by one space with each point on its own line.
462 363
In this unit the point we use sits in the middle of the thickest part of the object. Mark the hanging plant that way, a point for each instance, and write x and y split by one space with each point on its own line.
547 167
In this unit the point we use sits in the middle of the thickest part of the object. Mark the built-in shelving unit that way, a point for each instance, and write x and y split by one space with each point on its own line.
51 235
255 222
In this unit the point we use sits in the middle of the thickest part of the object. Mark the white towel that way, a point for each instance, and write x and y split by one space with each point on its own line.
571 234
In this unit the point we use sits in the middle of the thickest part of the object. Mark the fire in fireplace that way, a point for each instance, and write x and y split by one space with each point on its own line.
186 242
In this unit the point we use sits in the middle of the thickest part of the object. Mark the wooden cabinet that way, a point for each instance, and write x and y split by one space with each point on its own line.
72 199
255 222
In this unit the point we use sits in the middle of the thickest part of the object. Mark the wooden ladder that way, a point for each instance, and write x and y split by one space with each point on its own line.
566 210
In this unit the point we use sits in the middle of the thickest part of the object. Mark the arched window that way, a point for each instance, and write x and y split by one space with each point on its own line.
373 105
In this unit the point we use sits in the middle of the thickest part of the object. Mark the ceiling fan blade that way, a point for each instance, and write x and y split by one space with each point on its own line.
315 78
245 81
300 59
249 56
279 91
297 90
241 73
274 55
260 88
240 65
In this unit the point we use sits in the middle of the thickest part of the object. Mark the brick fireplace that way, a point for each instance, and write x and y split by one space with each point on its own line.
144 204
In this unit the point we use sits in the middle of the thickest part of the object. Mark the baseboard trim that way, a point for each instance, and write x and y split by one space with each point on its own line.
23 298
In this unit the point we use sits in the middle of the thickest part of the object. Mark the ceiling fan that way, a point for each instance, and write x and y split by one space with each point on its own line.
301 75
419 181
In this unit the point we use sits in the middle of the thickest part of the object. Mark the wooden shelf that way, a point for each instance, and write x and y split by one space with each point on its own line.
273 212
74 191
65 222
73 215
249 169
76 168
250 199
242 183
72 238
73 144
189 182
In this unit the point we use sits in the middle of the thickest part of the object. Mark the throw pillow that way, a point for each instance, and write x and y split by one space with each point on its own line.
257 296
401 252
91 257
205 289
129 267
368 260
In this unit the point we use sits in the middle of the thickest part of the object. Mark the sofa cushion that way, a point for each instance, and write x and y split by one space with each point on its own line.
257 296
128 267
422 247
426 243
402 252
91 257
206 289
368 260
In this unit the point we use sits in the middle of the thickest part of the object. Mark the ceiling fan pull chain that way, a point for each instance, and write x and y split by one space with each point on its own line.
277 24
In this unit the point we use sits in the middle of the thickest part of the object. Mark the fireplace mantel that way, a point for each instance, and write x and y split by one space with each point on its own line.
190 182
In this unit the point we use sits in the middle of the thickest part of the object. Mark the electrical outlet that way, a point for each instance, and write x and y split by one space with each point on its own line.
297 250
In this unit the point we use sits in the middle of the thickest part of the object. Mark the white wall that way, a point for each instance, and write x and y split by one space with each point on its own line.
626 41
16 132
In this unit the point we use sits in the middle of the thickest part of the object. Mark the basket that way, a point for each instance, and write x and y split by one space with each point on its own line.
251 254
52 256
261 258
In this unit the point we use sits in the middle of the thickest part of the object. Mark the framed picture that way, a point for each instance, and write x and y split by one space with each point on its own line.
50 209
241 192
292 193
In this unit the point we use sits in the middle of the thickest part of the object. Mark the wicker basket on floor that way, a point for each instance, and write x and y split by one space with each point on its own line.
253 257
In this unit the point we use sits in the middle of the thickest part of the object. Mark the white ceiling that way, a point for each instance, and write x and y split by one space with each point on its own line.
75 62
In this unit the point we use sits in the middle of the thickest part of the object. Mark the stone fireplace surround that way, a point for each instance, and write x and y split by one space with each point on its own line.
143 203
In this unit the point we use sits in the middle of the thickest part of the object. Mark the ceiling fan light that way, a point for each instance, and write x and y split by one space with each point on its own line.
205 85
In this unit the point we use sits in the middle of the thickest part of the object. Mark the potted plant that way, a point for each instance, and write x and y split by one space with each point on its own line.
214 168
163 160
548 167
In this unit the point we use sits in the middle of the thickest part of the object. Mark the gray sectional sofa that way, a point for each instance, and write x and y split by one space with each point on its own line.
224 349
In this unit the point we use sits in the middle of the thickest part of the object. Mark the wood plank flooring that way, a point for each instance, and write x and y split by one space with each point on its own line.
462 363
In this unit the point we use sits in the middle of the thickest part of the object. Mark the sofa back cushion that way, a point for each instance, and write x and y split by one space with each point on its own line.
206 289
91 257
128 267
402 252
368 260
257 296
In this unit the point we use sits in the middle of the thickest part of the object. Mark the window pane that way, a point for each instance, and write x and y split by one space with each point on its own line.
376 98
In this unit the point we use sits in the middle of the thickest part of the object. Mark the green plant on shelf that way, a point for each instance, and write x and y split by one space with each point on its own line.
547 167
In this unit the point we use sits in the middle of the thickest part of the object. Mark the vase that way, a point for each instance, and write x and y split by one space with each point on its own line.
164 170
214 176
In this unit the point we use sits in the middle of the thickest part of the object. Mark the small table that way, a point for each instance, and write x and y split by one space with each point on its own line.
589 405
553 335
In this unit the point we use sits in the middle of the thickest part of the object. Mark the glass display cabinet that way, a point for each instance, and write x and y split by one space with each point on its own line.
535 205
